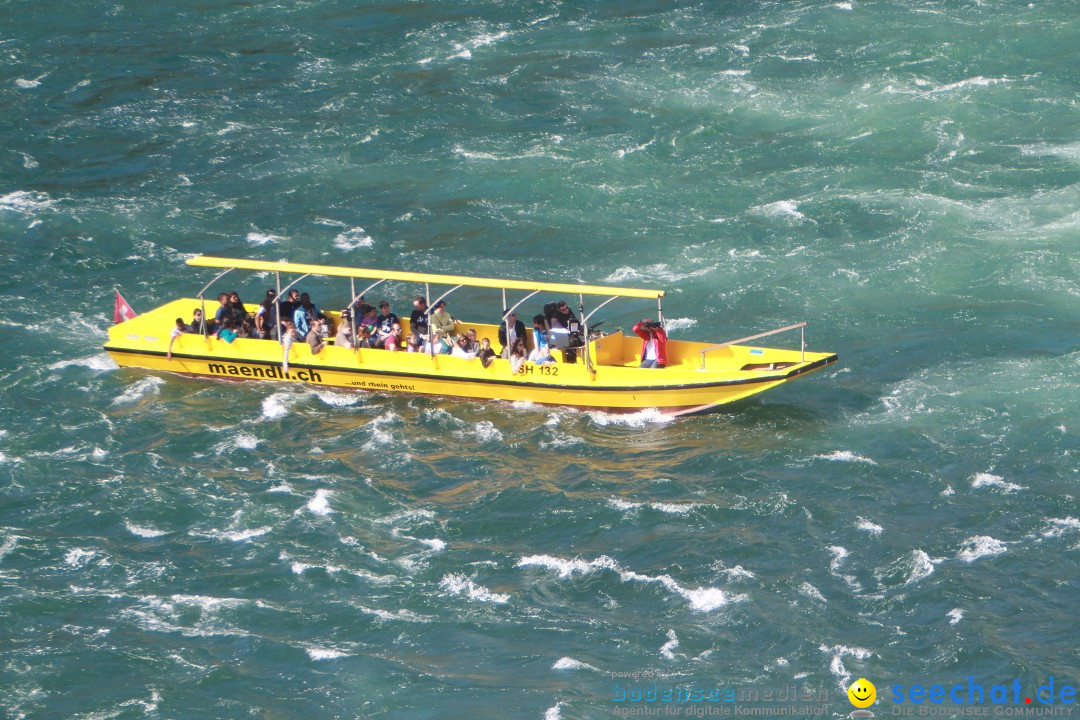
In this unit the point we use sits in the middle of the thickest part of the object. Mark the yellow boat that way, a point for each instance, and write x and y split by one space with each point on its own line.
698 377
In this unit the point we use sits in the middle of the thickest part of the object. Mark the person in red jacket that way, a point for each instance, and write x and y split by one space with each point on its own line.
654 344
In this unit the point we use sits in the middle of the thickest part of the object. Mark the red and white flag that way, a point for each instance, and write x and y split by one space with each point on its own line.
122 310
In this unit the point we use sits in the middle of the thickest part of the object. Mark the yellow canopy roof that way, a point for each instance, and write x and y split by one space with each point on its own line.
306 269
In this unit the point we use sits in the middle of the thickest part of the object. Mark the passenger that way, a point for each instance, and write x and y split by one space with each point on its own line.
316 336
654 344
418 323
474 344
441 346
441 320
230 331
368 316
559 316
462 349
287 308
542 355
238 310
247 327
196 321
384 325
486 354
266 316
344 337
517 330
176 332
540 335
392 342
288 337
306 314
364 334
224 311
517 356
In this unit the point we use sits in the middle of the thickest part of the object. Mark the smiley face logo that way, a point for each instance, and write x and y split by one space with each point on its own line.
862 693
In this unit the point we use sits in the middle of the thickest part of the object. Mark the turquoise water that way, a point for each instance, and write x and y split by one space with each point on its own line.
904 177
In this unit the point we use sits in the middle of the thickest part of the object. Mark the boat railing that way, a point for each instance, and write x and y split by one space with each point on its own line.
802 340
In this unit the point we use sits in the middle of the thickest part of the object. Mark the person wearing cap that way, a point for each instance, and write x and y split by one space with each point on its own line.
653 345
510 329
384 324
441 320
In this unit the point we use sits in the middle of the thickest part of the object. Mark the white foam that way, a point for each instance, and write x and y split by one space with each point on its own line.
245 441
836 665
320 504
79 557
667 650
1056 527
10 541
318 653
995 481
704 599
143 531
353 239
458 584
978 81
955 615
102 362
675 508
435 544
979 546
845 456
669 508
652 273
260 238
552 713
337 399
637 148
922 566
147 386
240 535
566 568
569 663
786 209
811 592
738 572
639 419
486 431
867 526
26 202
679 324
838 554
276 406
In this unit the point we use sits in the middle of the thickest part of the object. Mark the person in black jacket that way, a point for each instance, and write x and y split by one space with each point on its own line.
517 330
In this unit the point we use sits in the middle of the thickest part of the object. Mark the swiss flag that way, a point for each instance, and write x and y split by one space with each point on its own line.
122 311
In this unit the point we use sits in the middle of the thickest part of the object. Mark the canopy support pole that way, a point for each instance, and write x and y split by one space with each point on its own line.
202 300
352 314
286 289
506 317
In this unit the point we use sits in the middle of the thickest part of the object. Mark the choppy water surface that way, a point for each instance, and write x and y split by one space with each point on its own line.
904 177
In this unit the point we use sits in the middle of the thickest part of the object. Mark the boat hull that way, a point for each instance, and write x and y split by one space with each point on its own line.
697 379
590 394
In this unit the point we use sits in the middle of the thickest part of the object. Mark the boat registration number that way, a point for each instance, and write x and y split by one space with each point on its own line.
545 369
